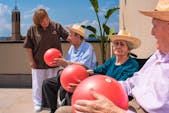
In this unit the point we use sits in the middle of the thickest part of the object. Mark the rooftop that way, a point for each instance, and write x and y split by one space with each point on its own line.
17 100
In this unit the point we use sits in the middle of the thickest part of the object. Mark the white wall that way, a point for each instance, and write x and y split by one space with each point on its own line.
138 24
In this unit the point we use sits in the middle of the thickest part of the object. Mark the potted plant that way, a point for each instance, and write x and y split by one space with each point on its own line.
102 33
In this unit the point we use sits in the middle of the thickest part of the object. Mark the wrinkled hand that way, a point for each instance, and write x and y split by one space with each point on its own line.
60 62
89 71
100 105
72 86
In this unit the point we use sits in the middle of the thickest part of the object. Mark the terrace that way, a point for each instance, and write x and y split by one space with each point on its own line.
15 73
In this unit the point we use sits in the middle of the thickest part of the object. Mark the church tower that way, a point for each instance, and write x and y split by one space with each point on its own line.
16 23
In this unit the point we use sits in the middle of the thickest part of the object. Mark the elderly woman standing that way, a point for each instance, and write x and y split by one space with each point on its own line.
121 65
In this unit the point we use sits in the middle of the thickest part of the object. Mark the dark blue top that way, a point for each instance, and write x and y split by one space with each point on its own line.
118 72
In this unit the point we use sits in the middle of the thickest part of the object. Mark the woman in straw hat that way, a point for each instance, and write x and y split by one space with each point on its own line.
121 66
149 86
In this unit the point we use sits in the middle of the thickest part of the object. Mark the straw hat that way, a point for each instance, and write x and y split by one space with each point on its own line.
126 36
77 29
161 11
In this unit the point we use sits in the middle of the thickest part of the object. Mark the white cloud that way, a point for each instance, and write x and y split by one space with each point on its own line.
114 25
4 9
85 22
29 14
1 23
24 28
94 23
105 6
5 29
5 13
25 16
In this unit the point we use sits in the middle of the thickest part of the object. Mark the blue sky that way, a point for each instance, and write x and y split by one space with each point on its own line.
65 12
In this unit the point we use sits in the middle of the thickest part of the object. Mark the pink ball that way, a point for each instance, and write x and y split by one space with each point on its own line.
104 85
71 74
50 54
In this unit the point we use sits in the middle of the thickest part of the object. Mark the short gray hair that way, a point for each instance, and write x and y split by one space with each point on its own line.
130 45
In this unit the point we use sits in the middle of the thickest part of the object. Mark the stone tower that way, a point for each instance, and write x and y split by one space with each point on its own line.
16 23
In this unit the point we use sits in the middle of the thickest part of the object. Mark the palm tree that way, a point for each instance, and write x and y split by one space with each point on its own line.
104 30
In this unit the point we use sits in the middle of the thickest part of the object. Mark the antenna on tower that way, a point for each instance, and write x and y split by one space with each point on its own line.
16 8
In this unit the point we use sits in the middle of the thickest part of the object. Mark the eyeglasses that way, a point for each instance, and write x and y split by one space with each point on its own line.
116 43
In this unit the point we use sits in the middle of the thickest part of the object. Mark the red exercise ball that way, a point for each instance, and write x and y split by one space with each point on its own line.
104 85
50 54
72 74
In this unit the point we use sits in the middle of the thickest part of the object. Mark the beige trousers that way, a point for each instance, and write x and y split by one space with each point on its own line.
64 109
133 106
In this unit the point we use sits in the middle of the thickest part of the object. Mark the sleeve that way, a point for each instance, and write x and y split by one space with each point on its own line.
89 59
102 69
129 83
63 33
28 43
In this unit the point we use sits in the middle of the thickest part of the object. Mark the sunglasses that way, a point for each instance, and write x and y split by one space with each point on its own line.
119 43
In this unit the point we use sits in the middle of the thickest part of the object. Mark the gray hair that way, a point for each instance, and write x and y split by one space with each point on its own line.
129 45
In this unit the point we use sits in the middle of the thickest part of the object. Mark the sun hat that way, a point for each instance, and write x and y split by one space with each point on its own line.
77 29
126 36
161 11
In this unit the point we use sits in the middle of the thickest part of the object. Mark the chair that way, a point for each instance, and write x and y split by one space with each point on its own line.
141 62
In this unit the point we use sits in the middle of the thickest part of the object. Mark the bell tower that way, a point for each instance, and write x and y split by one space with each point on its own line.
16 23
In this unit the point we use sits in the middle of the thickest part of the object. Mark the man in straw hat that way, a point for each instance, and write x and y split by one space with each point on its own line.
80 52
150 86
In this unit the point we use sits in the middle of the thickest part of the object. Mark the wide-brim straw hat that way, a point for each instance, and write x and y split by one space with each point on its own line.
161 11
77 29
126 36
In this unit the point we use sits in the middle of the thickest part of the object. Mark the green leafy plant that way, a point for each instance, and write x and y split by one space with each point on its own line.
104 30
